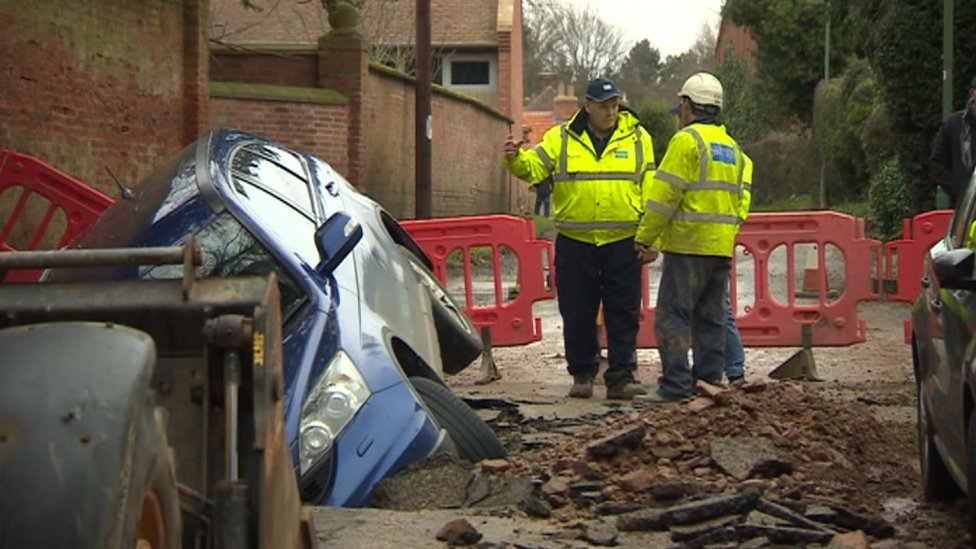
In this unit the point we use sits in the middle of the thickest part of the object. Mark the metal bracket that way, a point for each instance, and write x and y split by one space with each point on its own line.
802 364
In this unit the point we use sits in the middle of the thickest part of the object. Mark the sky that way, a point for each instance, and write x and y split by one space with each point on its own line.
671 26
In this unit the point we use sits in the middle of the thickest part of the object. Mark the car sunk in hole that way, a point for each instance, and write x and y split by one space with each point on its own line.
366 336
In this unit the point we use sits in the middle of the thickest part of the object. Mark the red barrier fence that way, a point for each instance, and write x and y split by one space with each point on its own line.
905 256
30 186
790 303
505 238
832 317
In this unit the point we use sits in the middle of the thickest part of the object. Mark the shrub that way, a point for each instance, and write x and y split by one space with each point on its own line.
891 199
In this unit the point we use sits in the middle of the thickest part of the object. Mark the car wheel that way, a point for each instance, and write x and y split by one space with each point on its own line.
472 437
458 337
937 482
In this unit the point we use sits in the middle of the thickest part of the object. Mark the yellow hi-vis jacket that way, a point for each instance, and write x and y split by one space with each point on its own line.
595 200
700 195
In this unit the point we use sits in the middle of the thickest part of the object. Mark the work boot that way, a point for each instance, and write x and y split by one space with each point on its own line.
582 387
737 381
625 391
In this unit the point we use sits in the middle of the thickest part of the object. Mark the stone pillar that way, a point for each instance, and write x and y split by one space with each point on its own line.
344 67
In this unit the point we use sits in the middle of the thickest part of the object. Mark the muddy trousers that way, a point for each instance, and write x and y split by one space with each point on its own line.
587 275
735 356
691 309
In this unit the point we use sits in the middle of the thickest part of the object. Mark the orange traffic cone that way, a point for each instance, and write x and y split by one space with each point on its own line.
811 273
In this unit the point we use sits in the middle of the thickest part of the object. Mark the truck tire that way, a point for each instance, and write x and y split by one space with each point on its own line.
88 464
153 507
457 336
472 437
937 482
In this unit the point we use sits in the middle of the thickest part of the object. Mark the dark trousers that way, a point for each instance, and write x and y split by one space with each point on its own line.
587 275
691 307
542 203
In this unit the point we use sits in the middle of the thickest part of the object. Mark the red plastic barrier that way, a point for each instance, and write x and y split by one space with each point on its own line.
24 180
918 235
510 320
769 322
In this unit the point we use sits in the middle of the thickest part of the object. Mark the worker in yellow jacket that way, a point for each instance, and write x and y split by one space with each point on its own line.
695 207
601 162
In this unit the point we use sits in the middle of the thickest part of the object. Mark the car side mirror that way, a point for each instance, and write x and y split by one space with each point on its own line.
954 269
335 239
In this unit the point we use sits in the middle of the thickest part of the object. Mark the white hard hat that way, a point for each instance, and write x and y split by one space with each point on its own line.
703 89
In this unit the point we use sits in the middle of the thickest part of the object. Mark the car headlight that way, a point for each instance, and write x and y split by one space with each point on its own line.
338 394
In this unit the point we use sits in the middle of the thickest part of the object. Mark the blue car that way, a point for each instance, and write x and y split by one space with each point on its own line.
368 332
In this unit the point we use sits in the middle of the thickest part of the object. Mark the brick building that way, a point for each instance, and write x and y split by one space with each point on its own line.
97 85
290 75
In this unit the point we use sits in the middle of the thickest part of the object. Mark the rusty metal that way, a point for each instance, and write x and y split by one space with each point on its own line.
174 314
122 257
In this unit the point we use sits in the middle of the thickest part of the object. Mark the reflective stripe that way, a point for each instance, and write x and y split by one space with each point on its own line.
675 180
544 156
702 153
748 187
660 208
715 186
639 172
564 152
595 225
720 219
594 176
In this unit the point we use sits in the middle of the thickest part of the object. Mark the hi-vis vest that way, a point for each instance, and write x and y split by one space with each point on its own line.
595 200
700 195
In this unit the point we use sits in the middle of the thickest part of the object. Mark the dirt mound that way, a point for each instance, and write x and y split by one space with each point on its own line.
813 449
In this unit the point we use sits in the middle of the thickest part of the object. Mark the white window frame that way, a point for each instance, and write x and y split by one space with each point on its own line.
448 65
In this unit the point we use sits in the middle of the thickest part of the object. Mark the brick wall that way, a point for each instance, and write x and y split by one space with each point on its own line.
468 175
310 127
288 67
116 83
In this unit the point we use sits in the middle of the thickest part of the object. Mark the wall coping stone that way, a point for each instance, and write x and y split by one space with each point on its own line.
269 92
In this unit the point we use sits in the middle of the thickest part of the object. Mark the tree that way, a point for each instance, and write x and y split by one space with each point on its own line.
640 71
791 48
742 109
573 42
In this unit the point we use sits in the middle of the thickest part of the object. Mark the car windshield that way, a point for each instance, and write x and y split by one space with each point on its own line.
230 250
166 209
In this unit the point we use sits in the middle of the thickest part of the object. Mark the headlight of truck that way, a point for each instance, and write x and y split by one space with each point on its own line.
339 393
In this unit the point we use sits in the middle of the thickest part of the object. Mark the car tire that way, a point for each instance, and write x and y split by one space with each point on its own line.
473 438
457 336
937 482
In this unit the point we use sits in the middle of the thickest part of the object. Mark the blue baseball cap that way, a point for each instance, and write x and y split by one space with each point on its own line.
602 89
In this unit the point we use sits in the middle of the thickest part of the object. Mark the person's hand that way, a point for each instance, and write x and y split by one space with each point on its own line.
512 146
646 254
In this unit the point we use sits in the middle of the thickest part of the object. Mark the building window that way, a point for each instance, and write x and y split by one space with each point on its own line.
470 73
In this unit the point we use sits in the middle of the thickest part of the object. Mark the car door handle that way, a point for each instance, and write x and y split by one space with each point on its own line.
926 281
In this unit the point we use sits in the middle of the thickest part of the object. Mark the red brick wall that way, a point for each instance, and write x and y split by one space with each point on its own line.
85 85
283 69
742 43
468 174
310 127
